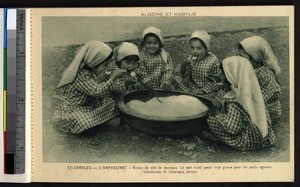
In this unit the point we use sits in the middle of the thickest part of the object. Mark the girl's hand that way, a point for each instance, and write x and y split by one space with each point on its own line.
183 67
214 78
130 81
167 87
215 111
149 85
136 86
117 74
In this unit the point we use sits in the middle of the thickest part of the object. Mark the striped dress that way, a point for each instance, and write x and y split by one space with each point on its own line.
235 128
85 103
198 76
270 89
153 68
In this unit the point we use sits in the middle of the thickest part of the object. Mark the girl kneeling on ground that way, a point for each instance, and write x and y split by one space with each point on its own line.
260 54
244 122
85 92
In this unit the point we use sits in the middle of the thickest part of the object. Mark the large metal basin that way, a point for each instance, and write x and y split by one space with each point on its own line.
162 125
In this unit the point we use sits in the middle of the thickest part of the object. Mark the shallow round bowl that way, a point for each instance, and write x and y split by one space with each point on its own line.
162 125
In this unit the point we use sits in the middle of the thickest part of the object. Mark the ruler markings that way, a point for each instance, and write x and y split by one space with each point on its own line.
14 91
20 97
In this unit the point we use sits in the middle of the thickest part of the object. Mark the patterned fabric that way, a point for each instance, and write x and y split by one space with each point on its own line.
271 90
220 94
122 85
181 82
154 68
85 103
198 76
236 129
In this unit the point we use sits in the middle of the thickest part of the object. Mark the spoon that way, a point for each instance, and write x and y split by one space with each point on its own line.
157 96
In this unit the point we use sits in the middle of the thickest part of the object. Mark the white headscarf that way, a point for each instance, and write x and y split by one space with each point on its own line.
125 49
158 33
260 50
91 54
203 36
155 31
245 88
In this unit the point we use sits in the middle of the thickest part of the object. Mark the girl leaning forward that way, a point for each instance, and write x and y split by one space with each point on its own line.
84 92
243 122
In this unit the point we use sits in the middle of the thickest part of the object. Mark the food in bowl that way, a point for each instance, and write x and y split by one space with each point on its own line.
168 106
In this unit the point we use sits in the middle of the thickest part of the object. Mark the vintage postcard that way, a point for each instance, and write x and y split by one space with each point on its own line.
128 151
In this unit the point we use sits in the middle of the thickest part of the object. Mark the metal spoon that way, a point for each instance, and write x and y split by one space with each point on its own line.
157 96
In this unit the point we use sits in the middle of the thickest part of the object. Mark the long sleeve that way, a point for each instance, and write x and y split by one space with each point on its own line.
87 84
231 121
180 81
168 72
270 88
189 78
212 85
142 72
177 70
119 86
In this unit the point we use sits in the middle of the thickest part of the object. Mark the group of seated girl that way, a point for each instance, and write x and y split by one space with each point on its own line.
246 85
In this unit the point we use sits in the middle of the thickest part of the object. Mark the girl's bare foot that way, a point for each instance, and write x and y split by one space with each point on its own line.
209 136
114 122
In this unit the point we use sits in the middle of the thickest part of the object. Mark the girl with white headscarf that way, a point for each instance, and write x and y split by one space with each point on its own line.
126 57
245 123
197 75
258 51
156 63
84 90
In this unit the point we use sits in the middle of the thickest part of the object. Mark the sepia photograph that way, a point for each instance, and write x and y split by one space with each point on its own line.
163 92
164 115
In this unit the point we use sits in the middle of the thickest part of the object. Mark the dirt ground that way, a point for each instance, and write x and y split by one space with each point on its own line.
105 144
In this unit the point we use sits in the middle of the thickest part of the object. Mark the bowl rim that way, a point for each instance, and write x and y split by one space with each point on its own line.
125 109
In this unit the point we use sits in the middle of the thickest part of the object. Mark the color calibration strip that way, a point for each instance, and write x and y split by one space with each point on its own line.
4 87
11 90
14 92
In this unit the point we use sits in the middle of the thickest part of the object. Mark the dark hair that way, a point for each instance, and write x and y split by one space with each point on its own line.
109 57
152 35
130 57
240 46
202 43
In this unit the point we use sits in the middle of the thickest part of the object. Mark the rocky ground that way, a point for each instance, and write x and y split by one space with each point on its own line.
124 144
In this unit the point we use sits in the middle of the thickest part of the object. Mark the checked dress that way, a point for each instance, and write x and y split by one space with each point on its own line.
155 69
85 103
270 89
236 129
198 76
